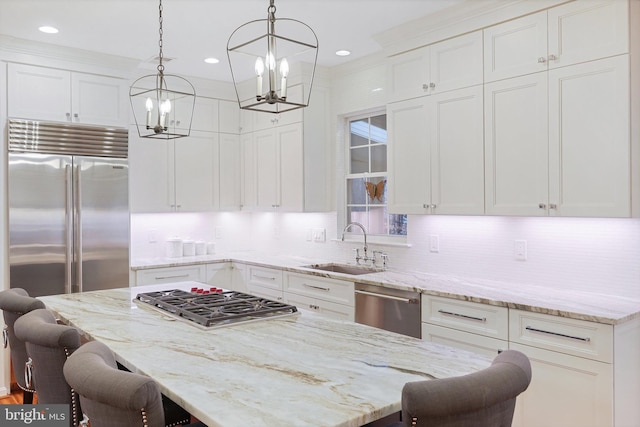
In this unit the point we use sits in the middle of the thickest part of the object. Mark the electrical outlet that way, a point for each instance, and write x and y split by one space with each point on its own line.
434 243
218 232
520 250
309 234
153 236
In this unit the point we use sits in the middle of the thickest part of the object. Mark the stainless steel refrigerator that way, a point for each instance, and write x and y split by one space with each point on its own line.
68 207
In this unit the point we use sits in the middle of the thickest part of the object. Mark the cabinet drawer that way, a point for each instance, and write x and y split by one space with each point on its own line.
266 277
169 275
463 340
339 291
483 319
264 292
576 337
326 308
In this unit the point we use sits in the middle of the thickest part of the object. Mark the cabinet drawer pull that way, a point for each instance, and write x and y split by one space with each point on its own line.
389 297
464 316
172 277
320 288
257 276
557 334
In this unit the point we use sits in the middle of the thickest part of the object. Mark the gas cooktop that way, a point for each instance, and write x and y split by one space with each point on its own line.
214 307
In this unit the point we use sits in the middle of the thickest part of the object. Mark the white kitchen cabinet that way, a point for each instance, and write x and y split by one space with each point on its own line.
265 282
279 168
173 175
248 182
239 277
572 371
440 67
219 275
229 172
471 326
229 117
569 34
435 164
330 297
185 273
41 93
557 143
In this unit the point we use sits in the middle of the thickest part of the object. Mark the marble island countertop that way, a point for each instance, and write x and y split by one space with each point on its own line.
300 370
595 307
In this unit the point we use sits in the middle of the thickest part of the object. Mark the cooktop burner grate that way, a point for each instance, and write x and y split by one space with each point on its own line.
215 309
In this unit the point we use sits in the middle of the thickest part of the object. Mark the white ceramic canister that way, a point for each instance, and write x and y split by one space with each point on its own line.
174 248
188 248
211 248
201 247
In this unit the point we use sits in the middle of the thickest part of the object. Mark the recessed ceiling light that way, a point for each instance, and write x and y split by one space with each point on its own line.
343 53
211 60
47 29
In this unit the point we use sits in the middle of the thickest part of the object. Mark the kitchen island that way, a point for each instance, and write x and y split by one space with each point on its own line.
299 370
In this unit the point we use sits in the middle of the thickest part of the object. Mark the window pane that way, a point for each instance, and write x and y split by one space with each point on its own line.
360 159
379 158
356 193
359 130
379 129
357 214
377 220
398 225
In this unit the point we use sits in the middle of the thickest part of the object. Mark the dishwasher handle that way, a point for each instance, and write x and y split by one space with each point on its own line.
390 297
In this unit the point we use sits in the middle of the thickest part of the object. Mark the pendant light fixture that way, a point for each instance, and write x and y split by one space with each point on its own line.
162 103
273 71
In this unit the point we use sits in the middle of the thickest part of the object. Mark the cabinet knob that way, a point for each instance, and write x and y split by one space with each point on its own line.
552 57
542 60
425 87
432 85
542 206
425 206
433 206
68 116
553 206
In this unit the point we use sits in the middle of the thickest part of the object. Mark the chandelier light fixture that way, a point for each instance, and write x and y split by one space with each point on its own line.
162 103
273 71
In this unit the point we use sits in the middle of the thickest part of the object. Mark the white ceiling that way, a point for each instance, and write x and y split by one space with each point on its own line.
196 29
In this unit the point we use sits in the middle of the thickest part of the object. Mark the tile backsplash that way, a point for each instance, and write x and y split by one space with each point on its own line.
586 254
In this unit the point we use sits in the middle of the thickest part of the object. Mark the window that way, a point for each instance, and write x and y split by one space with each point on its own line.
366 178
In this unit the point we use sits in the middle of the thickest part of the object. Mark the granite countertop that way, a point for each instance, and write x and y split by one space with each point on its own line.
595 307
300 370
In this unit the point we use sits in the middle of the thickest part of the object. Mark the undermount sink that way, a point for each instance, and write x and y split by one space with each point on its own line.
344 268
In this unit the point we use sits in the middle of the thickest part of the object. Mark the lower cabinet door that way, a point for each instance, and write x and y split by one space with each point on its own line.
169 275
464 340
565 391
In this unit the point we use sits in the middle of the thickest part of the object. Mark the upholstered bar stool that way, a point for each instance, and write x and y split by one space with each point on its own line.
113 397
486 398
14 303
49 344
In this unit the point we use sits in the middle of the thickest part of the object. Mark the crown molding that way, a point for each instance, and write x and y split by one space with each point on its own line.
19 50
463 18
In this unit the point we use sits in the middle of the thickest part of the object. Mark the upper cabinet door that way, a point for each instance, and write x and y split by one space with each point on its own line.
456 63
589 139
408 75
515 48
586 30
229 117
99 99
517 146
39 93
440 67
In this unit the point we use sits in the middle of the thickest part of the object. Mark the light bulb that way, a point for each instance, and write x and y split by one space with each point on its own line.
259 71
165 108
270 62
284 72
149 106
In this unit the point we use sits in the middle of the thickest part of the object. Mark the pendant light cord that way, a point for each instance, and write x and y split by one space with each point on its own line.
160 66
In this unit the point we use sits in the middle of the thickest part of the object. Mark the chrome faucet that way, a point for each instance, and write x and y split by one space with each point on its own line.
364 232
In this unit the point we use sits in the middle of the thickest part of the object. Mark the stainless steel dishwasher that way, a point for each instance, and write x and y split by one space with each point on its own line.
393 310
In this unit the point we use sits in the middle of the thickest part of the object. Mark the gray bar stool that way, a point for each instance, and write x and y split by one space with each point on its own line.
49 344
14 303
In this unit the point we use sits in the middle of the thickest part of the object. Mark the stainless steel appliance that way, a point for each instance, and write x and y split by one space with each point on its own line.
68 207
215 307
393 310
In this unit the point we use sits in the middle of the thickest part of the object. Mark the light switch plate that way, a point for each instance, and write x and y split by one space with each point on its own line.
434 243
520 250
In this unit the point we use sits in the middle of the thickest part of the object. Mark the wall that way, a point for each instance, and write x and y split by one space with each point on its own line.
592 255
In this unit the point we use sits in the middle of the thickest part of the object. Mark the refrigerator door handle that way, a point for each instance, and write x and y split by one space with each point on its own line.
78 226
68 220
